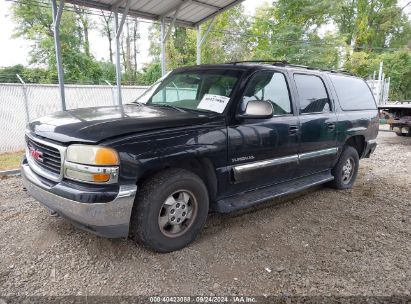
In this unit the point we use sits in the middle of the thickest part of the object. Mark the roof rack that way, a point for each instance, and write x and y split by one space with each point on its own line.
286 63
274 62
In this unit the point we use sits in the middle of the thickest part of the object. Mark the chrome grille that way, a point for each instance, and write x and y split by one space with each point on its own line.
44 156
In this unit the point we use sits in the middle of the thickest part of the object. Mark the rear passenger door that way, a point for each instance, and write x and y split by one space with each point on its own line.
318 140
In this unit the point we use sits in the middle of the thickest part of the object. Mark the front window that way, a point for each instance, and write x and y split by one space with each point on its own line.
269 86
200 90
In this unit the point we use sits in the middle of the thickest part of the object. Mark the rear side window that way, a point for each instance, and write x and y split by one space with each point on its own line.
353 93
312 93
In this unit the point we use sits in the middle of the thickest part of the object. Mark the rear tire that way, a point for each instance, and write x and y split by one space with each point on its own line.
400 134
346 170
170 210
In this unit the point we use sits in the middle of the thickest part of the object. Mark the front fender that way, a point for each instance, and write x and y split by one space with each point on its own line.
150 151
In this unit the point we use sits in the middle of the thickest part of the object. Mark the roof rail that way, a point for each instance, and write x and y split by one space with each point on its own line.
274 62
286 63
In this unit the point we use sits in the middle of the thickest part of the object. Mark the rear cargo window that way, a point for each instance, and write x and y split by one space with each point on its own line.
353 93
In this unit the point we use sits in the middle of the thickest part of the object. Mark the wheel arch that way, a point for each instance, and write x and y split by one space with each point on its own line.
357 142
203 167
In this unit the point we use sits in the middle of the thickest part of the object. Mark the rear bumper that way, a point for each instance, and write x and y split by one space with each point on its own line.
370 147
109 219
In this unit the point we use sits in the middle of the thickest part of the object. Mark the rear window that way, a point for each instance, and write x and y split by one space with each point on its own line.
313 95
353 93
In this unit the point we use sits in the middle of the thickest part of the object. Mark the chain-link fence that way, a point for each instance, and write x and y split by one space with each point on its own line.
20 103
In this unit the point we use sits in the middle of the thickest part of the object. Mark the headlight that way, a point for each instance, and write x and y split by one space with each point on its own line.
91 164
92 155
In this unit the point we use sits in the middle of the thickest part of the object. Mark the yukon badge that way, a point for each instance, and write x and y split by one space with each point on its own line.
243 158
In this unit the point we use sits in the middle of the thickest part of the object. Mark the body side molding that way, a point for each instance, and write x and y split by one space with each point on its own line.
318 153
243 168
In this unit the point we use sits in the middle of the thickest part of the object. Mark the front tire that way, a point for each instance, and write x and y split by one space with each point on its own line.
346 170
170 210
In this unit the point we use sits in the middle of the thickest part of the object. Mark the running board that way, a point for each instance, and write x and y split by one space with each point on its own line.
255 197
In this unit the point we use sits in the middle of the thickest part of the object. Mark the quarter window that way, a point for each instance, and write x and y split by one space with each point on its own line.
353 93
269 86
312 93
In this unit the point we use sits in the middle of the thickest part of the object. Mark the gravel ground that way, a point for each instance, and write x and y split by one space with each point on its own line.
323 242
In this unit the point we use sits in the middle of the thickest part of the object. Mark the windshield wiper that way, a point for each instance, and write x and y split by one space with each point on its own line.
169 106
140 104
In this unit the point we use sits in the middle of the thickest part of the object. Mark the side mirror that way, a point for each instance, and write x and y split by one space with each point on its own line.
257 109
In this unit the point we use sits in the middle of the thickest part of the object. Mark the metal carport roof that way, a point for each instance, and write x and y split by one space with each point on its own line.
191 12
187 13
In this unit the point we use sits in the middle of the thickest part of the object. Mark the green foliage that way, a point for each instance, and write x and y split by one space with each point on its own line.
397 66
108 71
286 32
151 73
29 75
219 46
36 75
361 33
34 23
372 25
227 40
8 74
181 48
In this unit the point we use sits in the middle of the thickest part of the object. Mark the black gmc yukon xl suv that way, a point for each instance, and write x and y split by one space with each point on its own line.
205 138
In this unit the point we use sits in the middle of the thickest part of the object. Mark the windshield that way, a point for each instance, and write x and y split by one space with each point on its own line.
149 92
201 90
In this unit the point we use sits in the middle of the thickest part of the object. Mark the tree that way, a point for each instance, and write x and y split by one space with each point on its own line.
397 66
151 73
229 37
226 41
372 25
86 25
8 74
34 24
29 75
136 37
130 50
106 30
285 31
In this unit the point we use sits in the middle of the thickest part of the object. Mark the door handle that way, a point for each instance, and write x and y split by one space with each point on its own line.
331 126
292 130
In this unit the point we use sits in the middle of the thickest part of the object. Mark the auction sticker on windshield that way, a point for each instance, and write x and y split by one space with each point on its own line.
215 103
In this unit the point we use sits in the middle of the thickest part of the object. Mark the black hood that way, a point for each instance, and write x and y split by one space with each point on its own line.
92 125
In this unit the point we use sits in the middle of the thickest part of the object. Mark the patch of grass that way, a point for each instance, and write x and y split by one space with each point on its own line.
9 161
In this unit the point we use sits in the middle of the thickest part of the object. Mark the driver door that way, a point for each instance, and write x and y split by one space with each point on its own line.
264 151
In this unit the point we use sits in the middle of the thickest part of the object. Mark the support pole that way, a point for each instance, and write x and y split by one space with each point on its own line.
57 12
118 63
165 33
113 95
201 39
388 89
26 99
198 44
163 47
383 89
379 83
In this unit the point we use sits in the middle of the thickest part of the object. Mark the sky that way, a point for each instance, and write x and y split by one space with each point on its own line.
16 50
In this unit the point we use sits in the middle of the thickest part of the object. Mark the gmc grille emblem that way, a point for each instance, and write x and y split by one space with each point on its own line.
36 154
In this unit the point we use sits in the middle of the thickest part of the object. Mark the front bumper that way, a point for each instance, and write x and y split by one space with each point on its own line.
109 219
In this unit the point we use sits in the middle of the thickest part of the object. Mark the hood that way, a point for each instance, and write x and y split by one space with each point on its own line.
92 125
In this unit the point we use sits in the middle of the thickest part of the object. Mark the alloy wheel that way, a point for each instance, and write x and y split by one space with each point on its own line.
177 213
